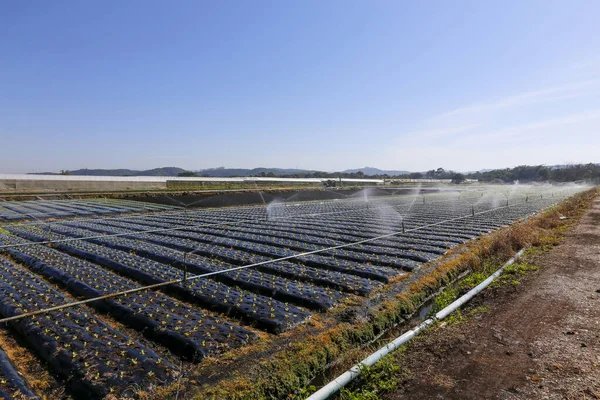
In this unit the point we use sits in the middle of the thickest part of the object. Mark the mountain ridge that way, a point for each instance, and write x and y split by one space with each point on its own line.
217 172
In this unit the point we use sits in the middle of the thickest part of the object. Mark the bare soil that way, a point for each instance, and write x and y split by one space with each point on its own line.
539 339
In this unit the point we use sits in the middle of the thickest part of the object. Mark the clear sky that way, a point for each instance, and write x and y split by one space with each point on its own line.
322 84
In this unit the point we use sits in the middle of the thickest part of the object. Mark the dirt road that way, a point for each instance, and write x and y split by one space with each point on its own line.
539 339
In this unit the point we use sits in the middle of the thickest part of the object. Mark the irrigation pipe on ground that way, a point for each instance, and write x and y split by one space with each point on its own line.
338 383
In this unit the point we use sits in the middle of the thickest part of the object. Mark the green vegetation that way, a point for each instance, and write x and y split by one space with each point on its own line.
541 173
187 174
381 378
514 272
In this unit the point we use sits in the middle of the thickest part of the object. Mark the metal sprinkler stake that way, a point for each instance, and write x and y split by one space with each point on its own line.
403 230
473 210
184 269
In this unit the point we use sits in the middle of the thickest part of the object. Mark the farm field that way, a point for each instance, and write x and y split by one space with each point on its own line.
11 211
225 277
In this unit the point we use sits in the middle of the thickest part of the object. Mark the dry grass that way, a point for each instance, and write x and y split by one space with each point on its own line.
28 366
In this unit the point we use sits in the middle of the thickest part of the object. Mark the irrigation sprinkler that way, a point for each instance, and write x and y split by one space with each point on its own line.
469 203
403 230
263 200
185 269
507 195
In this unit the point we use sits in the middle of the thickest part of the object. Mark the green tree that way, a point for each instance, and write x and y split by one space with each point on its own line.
458 178
187 174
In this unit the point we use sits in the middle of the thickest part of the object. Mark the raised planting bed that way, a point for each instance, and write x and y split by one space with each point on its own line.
260 311
94 359
187 331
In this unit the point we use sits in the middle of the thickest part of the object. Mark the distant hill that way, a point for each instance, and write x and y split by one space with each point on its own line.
165 171
174 171
262 171
221 172
227 172
370 171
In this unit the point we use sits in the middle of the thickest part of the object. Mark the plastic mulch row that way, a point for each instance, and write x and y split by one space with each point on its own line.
306 234
282 289
188 332
260 311
341 280
333 279
347 267
94 359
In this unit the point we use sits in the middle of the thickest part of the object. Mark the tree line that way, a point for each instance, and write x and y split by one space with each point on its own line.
541 173
523 173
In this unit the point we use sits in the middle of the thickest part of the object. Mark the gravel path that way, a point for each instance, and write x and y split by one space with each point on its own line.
538 340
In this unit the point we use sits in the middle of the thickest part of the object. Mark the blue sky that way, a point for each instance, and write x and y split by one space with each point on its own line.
323 85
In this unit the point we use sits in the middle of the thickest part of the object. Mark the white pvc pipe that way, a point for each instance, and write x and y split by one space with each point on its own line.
338 383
